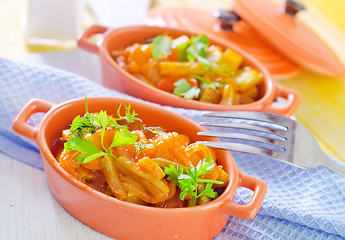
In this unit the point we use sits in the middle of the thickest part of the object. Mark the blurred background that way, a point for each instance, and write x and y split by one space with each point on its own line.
322 109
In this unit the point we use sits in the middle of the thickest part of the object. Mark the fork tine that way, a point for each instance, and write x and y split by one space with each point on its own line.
257 139
274 119
242 126
245 148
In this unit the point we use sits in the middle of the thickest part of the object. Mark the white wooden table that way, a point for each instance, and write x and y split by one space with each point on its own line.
28 210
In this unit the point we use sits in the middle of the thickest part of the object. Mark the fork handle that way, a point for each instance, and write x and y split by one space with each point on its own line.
251 209
293 100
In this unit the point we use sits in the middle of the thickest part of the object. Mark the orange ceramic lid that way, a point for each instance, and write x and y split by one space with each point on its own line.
292 39
242 35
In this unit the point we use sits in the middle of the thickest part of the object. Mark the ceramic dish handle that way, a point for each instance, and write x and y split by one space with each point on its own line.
85 43
293 100
250 210
20 125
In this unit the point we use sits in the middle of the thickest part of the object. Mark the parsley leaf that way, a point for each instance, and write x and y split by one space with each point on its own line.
173 172
89 150
188 183
161 44
89 123
208 191
82 124
102 120
123 137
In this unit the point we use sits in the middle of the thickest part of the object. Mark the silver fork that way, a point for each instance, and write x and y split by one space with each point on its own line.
268 135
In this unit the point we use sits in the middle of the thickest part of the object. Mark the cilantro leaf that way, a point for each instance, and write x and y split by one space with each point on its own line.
81 145
82 158
92 122
188 183
204 166
102 120
187 186
161 44
123 137
81 124
89 150
173 173
208 191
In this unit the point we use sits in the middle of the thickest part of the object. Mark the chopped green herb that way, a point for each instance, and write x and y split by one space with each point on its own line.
140 145
161 45
181 86
200 78
195 49
185 90
191 93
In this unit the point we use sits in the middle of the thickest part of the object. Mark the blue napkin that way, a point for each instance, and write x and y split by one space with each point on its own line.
300 204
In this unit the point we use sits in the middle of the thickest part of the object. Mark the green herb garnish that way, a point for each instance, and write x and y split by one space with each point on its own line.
161 45
89 123
140 145
181 86
129 116
188 183
195 49
200 78
185 90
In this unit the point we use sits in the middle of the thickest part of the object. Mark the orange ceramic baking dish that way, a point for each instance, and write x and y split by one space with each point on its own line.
117 78
123 220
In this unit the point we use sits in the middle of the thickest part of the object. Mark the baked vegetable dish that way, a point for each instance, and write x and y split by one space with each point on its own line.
122 157
191 68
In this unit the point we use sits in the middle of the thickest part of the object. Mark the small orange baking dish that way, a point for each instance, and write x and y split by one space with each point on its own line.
115 77
125 220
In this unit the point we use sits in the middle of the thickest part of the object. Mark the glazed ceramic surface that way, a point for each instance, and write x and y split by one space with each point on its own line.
123 220
117 78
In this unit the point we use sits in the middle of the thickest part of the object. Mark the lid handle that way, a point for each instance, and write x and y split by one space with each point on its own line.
227 19
292 7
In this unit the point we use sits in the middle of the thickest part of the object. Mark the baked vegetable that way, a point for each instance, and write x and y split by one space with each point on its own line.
192 68
122 157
